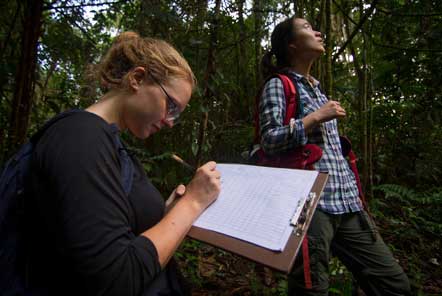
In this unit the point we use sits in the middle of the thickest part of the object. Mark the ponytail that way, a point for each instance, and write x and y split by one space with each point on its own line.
282 35
267 66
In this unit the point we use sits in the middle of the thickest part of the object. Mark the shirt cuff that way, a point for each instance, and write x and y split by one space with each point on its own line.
299 132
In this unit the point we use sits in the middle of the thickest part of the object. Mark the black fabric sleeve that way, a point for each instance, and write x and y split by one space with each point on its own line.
92 216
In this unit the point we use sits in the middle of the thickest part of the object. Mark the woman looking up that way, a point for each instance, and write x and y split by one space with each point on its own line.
340 222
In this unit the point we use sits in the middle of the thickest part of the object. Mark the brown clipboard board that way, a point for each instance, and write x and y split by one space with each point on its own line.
281 261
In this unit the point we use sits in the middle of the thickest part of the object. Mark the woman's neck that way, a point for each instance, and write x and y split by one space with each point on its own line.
302 67
109 108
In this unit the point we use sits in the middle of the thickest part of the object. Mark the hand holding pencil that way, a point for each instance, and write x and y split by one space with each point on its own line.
205 186
183 163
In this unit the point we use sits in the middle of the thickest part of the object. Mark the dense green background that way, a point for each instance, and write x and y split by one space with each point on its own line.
383 63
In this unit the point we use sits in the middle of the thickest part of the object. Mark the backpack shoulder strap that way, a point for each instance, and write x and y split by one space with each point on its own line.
127 166
290 97
290 94
35 137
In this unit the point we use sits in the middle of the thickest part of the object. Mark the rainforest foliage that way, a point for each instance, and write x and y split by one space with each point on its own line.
382 63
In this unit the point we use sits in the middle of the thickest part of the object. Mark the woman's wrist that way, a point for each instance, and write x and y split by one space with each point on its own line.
316 118
310 121
192 204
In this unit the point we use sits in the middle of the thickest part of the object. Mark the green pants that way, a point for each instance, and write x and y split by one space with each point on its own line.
353 238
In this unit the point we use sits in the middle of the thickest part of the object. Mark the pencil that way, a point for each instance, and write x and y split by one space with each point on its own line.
185 164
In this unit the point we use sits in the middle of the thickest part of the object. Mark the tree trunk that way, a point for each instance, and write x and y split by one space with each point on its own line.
148 23
245 100
364 107
299 8
363 18
257 8
312 15
364 110
7 46
6 43
210 70
142 26
370 141
361 71
25 75
318 66
200 19
328 77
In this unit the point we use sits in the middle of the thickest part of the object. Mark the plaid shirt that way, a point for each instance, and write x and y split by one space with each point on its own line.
340 194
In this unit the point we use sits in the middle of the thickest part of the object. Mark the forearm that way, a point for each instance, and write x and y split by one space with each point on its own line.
171 230
329 111
310 121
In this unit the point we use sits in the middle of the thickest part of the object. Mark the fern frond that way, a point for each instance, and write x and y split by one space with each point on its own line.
409 196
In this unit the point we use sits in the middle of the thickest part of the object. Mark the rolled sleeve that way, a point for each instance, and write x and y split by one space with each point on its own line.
145 249
299 131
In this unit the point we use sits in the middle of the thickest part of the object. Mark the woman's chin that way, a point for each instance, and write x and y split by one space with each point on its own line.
150 131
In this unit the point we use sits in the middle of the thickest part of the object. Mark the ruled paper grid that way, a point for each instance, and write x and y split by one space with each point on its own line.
256 203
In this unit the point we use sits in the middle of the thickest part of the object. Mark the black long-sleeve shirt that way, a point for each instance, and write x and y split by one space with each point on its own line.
84 236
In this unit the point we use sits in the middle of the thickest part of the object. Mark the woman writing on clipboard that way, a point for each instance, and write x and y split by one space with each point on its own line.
86 236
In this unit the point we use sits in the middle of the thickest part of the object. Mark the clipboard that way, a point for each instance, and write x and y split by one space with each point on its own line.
281 261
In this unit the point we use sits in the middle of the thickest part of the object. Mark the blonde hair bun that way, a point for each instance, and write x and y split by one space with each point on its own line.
126 36
160 59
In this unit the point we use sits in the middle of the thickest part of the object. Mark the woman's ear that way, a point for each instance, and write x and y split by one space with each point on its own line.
136 77
292 46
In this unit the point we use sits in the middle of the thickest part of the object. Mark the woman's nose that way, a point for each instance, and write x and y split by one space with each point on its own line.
167 123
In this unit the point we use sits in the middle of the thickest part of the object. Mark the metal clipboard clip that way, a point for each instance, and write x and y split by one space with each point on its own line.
299 224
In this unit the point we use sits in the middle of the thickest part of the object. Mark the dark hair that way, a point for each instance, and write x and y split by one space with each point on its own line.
281 37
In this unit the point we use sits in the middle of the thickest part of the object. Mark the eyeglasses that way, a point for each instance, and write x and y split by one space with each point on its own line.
173 110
